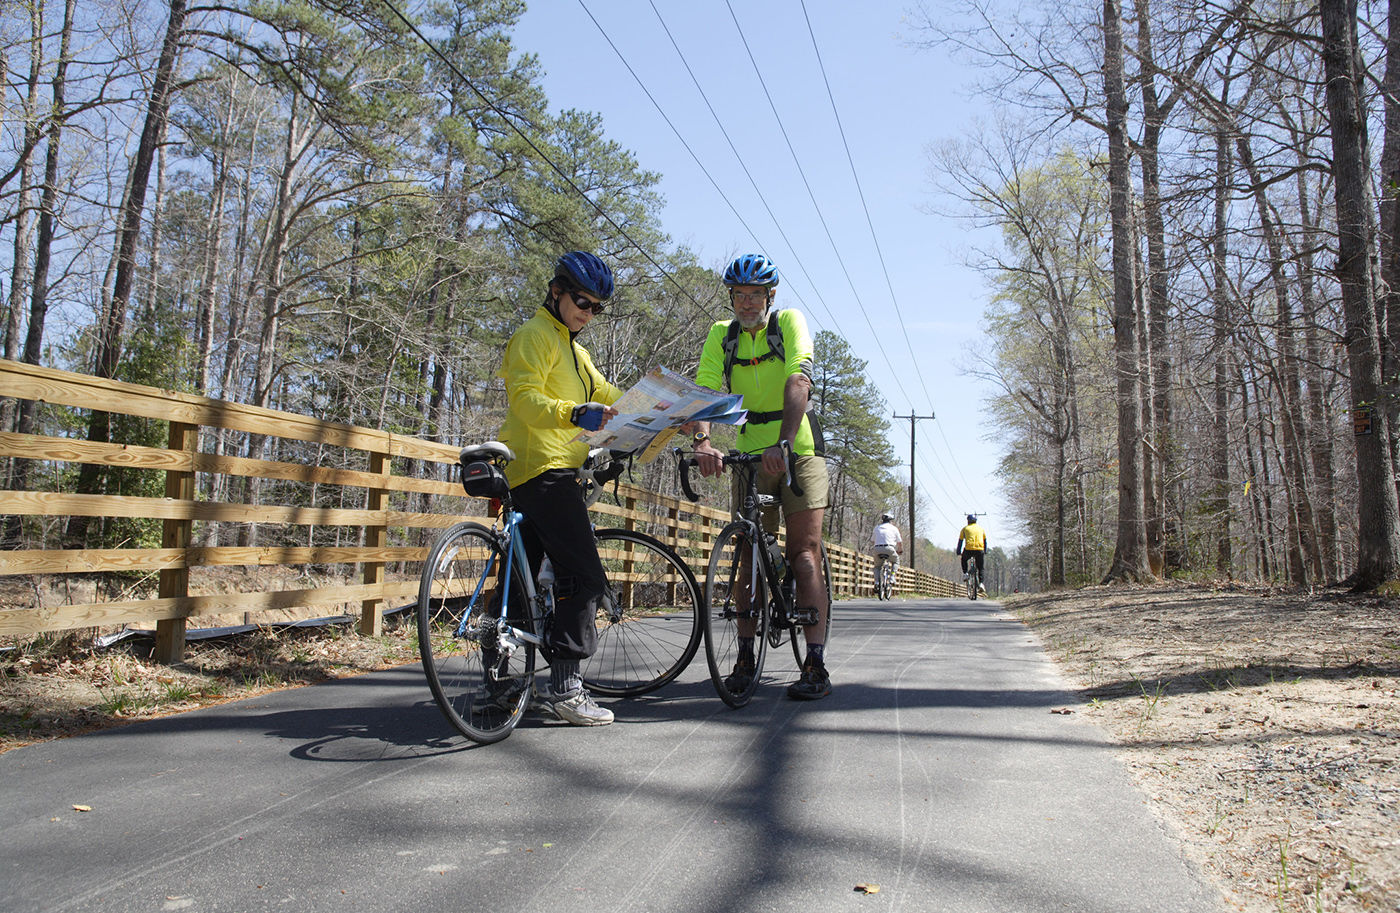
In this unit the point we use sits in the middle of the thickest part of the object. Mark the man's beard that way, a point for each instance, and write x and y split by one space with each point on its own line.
757 322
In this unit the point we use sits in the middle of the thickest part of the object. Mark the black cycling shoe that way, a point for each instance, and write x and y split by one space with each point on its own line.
814 684
738 681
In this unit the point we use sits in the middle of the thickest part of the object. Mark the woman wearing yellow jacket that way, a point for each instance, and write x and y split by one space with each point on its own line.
553 391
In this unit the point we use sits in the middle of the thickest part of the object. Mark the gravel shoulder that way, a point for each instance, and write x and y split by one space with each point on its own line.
1263 726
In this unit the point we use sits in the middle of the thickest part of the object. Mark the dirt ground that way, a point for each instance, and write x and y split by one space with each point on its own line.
1264 727
52 687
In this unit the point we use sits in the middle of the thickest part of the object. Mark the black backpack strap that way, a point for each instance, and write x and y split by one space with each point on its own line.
730 346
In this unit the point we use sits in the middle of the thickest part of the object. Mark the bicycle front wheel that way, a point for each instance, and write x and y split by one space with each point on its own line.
649 627
480 676
799 640
736 604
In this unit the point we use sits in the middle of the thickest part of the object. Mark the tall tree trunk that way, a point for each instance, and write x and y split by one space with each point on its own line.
1301 551
1157 430
43 254
1257 482
1130 552
275 258
1320 415
1220 324
1389 234
112 326
21 272
1378 514
213 259
157 232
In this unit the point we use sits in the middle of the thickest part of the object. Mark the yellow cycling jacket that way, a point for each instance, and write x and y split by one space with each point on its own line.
547 374
761 384
973 537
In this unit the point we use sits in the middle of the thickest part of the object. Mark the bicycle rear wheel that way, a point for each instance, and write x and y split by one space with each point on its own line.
799 638
736 592
973 580
480 678
650 628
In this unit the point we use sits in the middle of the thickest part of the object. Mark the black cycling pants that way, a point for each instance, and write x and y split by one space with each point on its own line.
977 554
557 524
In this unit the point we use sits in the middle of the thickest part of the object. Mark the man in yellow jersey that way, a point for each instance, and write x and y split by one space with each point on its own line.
766 356
972 543
553 390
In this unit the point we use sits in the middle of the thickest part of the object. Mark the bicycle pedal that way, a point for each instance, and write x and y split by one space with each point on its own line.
804 617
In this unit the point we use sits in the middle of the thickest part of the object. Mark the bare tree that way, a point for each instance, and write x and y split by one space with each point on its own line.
1378 553
1130 553
43 252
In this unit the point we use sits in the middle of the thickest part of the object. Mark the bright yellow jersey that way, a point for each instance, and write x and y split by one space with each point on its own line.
761 382
973 537
547 374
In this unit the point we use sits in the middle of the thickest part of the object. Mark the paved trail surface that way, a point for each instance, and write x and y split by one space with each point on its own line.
936 770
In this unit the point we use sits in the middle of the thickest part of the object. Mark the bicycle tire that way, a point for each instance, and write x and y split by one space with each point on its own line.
459 634
799 639
973 580
724 585
651 627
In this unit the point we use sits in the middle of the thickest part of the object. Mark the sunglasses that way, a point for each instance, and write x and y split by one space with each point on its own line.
583 304
755 297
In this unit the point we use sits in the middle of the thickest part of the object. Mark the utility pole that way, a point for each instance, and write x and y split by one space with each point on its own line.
913 535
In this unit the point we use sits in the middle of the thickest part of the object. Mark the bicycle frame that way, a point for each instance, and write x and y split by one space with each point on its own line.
509 534
750 514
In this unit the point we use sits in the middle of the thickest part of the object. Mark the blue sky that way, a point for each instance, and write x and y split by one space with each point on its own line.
892 101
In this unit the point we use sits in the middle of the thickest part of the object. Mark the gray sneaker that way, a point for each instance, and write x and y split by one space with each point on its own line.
578 708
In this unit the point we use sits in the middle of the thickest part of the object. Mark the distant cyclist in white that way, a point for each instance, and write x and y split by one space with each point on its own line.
886 544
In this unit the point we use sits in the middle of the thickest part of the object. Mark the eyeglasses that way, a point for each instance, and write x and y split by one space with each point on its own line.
583 304
758 297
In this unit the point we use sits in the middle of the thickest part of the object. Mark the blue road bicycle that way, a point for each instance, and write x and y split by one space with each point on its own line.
483 616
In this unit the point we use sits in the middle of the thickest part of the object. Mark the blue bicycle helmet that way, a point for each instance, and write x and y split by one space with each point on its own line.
971 518
586 272
751 269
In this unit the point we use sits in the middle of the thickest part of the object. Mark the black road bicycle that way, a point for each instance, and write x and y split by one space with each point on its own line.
974 579
749 582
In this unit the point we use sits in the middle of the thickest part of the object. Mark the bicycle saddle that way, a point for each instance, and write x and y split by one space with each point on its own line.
490 452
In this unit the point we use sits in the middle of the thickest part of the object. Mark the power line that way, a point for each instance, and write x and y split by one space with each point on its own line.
713 183
506 119
949 448
792 248
874 237
807 184
937 481
860 191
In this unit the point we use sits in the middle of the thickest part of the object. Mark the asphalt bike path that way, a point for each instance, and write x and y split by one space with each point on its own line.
936 773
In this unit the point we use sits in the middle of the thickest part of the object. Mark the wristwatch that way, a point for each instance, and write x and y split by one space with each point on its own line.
699 437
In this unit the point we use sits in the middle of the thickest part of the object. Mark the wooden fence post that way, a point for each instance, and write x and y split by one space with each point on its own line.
371 618
175 581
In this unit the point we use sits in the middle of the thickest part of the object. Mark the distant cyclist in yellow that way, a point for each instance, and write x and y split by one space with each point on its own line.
766 355
972 543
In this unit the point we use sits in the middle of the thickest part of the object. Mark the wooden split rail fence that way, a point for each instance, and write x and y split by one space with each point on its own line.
402 489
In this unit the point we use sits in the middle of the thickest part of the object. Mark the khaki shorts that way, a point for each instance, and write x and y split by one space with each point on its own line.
811 477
